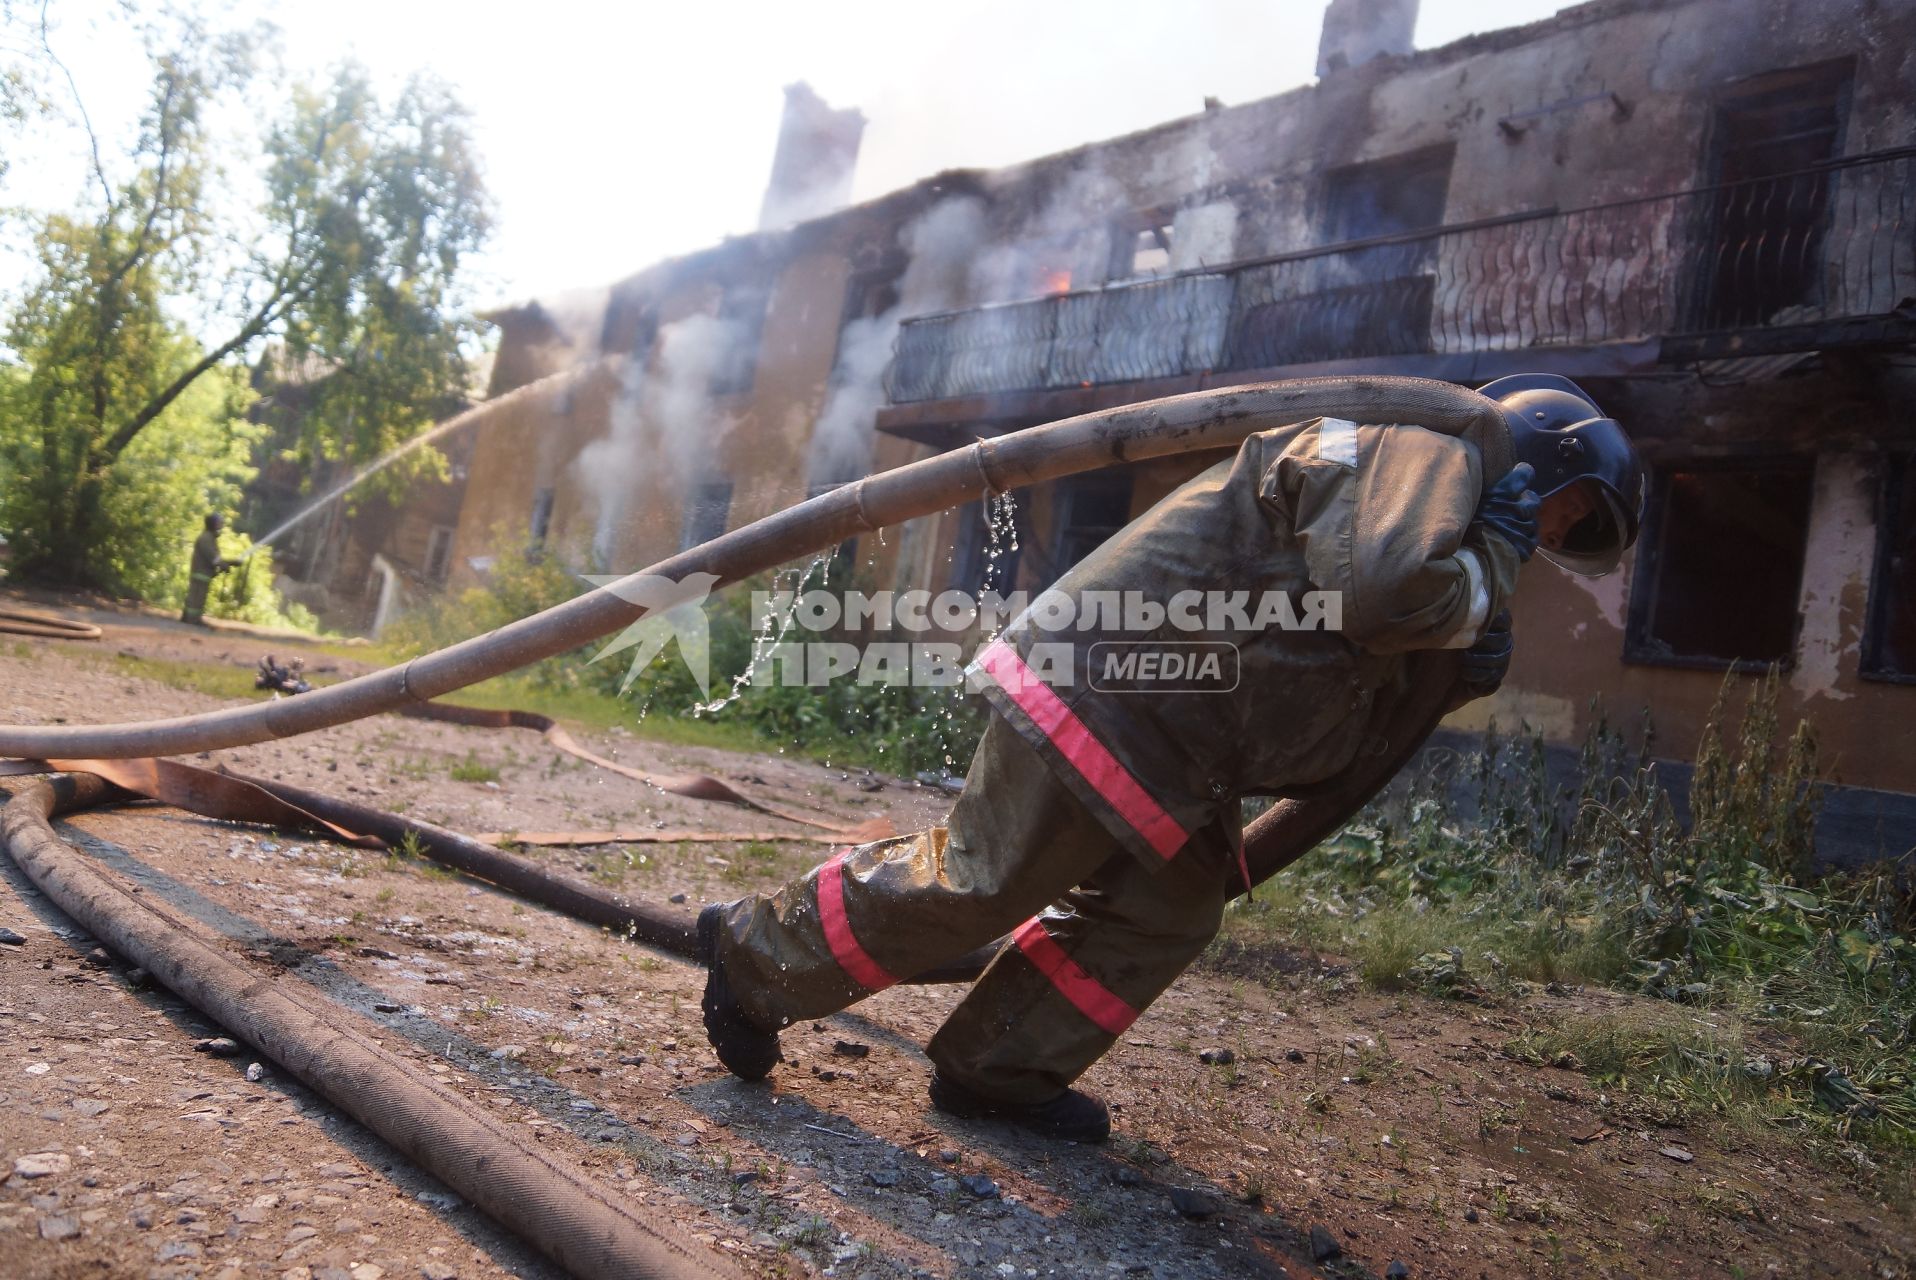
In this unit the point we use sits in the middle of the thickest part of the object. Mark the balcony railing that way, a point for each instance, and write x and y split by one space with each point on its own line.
1831 243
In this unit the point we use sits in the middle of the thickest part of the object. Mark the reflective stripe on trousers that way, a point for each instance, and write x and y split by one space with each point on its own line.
1091 998
851 957
1081 749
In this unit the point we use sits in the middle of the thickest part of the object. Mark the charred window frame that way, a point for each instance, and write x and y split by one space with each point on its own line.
1373 299
1140 248
743 314
630 326
1387 197
1768 207
1719 568
1889 635
707 509
438 553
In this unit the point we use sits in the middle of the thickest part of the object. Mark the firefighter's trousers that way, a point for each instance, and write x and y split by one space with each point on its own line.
197 586
1096 934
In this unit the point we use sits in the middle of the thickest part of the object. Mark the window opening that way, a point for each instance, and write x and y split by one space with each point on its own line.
1762 238
541 517
1140 253
438 553
1720 566
743 314
1090 509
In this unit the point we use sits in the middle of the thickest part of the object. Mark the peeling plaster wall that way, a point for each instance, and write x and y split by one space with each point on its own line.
1836 570
1569 664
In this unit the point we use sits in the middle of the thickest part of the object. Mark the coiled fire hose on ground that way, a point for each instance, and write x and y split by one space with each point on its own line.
480 1164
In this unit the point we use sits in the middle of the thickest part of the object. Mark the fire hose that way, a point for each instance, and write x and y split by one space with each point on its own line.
1200 421
578 1222
45 626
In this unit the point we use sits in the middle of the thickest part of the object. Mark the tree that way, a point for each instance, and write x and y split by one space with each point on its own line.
353 265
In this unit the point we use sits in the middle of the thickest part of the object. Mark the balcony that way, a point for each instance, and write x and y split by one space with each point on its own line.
1796 262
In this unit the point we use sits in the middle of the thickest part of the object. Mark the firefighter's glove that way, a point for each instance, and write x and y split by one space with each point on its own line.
1510 508
1486 662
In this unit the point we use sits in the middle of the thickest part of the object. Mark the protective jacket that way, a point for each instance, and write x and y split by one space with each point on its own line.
206 556
1378 517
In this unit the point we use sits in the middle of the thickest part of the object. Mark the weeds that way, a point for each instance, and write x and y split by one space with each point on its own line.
1598 881
471 770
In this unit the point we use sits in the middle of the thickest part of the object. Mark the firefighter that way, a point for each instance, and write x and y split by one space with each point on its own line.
206 565
1101 828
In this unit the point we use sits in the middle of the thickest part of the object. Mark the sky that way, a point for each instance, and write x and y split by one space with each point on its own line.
617 135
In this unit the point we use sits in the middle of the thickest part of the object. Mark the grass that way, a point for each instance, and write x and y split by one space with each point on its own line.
472 769
585 708
1342 901
217 680
1724 916
1638 1049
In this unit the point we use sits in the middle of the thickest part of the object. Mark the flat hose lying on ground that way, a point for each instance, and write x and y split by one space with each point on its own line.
1201 420
234 797
696 786
662 925
585 1227
45 626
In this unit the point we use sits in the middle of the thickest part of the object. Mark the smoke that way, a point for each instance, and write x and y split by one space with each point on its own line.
663 424
825 190
942 243
956 259
1065 245
578 315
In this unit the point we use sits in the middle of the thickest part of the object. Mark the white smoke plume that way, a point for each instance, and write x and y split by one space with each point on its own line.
664 422
1065 245
941 242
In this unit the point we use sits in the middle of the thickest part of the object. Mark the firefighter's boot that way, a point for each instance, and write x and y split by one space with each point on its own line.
1073 1115
747 1050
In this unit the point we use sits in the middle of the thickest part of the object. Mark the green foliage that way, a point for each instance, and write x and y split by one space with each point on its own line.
517 585
119 430
472 769
245 593
378 209
146 512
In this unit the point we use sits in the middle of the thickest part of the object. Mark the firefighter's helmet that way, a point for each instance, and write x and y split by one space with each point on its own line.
1558 429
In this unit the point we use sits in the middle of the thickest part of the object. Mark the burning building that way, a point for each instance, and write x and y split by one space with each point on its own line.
1700 209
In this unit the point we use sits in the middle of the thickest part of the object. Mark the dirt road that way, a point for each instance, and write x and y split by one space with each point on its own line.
1348 1132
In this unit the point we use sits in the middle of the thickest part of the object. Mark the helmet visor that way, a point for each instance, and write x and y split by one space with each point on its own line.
1594 546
